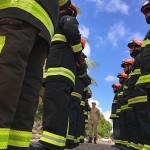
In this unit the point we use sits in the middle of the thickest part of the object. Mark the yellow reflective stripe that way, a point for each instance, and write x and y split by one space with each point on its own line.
140 146
81 137
143 79
53 139
133 145
85 112
117 141
114 101
118 110
146 147
124 107
62 2
19 138
120 94
59 37
83 75
44 75
114 116
82 103
86 88
135 72
2 42
70 137
146 42
125 87
32 7
61 71
76 95
77 48
4 134
138 99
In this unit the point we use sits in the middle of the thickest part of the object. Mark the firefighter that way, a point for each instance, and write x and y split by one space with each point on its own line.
76 95
122 77
114 116
138 98
126 65
26 28
61 69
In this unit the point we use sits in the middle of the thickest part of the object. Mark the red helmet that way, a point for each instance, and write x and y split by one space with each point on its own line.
146 7
83 42
74 9
122 75
127 62
117 85
135 43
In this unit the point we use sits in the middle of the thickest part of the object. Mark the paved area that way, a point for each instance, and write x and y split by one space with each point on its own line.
98 146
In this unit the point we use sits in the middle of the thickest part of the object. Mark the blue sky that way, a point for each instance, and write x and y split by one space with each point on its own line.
109 25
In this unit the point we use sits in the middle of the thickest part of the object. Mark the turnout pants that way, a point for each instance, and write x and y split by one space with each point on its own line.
116 130
55 114
22 55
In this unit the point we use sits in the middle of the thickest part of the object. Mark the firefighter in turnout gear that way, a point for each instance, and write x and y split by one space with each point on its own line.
65 49
26 29
138 99
126 65
114 116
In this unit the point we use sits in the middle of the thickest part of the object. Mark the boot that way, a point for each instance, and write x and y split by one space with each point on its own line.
90 140
95 140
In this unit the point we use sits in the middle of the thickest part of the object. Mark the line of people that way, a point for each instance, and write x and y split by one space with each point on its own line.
30 32
131 103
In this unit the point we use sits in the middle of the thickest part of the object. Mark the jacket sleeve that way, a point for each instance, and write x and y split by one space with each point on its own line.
70 27
64 3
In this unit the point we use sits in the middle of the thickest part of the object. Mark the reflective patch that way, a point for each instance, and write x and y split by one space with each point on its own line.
2 42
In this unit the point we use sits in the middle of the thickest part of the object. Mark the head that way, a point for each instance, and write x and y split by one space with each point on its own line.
122 77
71 10
126 65
93 104
135 47
146 10
116 87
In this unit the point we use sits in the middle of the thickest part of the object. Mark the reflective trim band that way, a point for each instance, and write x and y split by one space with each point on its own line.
75 140
86 88
70 137
114 116
146 42
133 145
32 7
146 147
143 79
62 2
120 94
19 138
140 146
83 75
4 134
124 107
61 71
59 37
76 95
85 112
44 75
117 141
77 48
124 142
114 101
138 99
86 121
118 110
53 139
82 103
125 87
135 72
2 42
81 137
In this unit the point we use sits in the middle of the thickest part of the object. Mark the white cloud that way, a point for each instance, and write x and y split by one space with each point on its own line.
100 41
136 35
117 31
111 6
107 115
85 34
111 78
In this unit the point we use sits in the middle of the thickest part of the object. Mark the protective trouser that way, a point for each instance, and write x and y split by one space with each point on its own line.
132 125
55 114
116 130
123 129
73 122
144 123
22 55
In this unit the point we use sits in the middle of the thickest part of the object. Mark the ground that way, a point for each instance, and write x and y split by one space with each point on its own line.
98 146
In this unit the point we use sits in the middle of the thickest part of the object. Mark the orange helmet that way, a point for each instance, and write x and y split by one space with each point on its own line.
135 43
74 9
117 85
127 62
83 42
122 75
